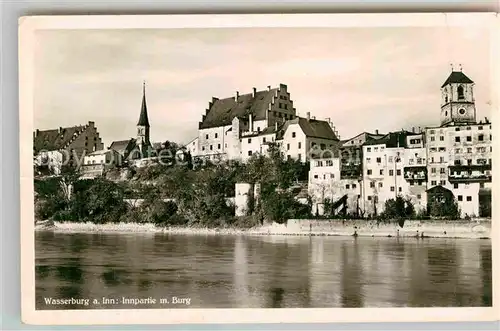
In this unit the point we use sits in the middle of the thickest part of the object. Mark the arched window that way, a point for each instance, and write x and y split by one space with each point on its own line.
460 91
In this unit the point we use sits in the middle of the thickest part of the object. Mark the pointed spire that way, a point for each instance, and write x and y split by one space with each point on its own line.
143 118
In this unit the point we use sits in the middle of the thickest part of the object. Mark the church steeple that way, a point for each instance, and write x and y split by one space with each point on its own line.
457 102
143 118
143 126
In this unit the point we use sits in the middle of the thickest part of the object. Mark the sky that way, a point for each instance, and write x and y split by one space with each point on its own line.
364 79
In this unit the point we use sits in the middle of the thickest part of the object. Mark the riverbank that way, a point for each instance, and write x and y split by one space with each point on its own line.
476 229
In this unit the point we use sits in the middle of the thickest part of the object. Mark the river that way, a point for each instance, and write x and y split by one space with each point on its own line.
99 271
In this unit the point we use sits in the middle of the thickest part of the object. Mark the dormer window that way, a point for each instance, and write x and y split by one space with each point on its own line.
460 91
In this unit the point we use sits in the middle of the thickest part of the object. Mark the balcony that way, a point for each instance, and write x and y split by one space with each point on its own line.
415 173
350 171
478 173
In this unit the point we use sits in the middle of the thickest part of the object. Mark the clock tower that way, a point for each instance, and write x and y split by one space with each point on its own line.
143 126
457 100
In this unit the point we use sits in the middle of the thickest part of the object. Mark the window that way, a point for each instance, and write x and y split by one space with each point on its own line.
369 198
203 148
433 138
400 189
469 162
258 129
369 149
433 170
457 150
469 138
380 185
300 145
287 147
460 91
249 153
442 149
347 186
469 150
211 147
411 161
375 149
460 198
353 185
218 146
329 163
368 160
369 172
300 158
441 159
457 162
322 146
457 129
372 184
457 139
391 172
379 159
443 182
390 159
468 128
398 172
381 172
206 136
315 176
480 127
433 182
264 139
469 198
480 137
442 170
392 188
433 131
293 135
481 185
419 196
441 138
331 175
216 135
455 185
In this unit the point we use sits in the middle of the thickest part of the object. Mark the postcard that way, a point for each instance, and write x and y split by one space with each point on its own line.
258 168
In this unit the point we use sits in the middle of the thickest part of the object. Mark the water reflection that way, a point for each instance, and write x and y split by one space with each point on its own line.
262 272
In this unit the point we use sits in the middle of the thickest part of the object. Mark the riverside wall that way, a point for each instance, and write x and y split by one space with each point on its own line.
413 228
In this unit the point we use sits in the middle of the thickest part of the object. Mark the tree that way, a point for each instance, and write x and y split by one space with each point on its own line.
445 209
398 209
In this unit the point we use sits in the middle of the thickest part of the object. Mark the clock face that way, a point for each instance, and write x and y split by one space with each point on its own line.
461 111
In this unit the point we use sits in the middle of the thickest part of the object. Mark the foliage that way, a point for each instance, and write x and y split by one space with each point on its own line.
444 209
398 209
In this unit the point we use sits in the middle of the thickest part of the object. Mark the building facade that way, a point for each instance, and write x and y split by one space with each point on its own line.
72 142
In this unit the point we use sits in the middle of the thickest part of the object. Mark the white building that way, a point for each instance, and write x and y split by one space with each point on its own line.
96 163
241 126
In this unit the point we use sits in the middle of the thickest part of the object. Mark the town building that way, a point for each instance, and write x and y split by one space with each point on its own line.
460 149
73 143
238 127
96 163
139 147
446 163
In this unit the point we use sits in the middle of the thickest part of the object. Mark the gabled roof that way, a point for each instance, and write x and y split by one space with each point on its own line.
122 145
143 117
367 135
312 128
392 139
457 77
56 139
223 111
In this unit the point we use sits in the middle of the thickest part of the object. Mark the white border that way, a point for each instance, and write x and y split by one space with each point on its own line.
27 27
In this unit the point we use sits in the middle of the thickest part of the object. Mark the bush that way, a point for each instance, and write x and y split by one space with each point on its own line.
398 209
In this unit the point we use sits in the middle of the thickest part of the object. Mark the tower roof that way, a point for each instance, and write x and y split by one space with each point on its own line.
143 118
457 77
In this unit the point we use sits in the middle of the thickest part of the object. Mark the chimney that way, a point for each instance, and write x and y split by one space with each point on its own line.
376 131
254 92
269 87
250 123
37 132
237 96
276 125
60 130
413 129
308 115
314 117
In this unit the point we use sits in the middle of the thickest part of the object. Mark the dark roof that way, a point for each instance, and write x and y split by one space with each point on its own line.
121 145
223 111
56 139
367 135
312 128
392 139
143 118
457 77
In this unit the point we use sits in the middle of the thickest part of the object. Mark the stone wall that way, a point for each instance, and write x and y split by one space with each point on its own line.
428 228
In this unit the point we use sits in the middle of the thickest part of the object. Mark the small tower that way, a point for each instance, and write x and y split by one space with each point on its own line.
142 141
457 104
